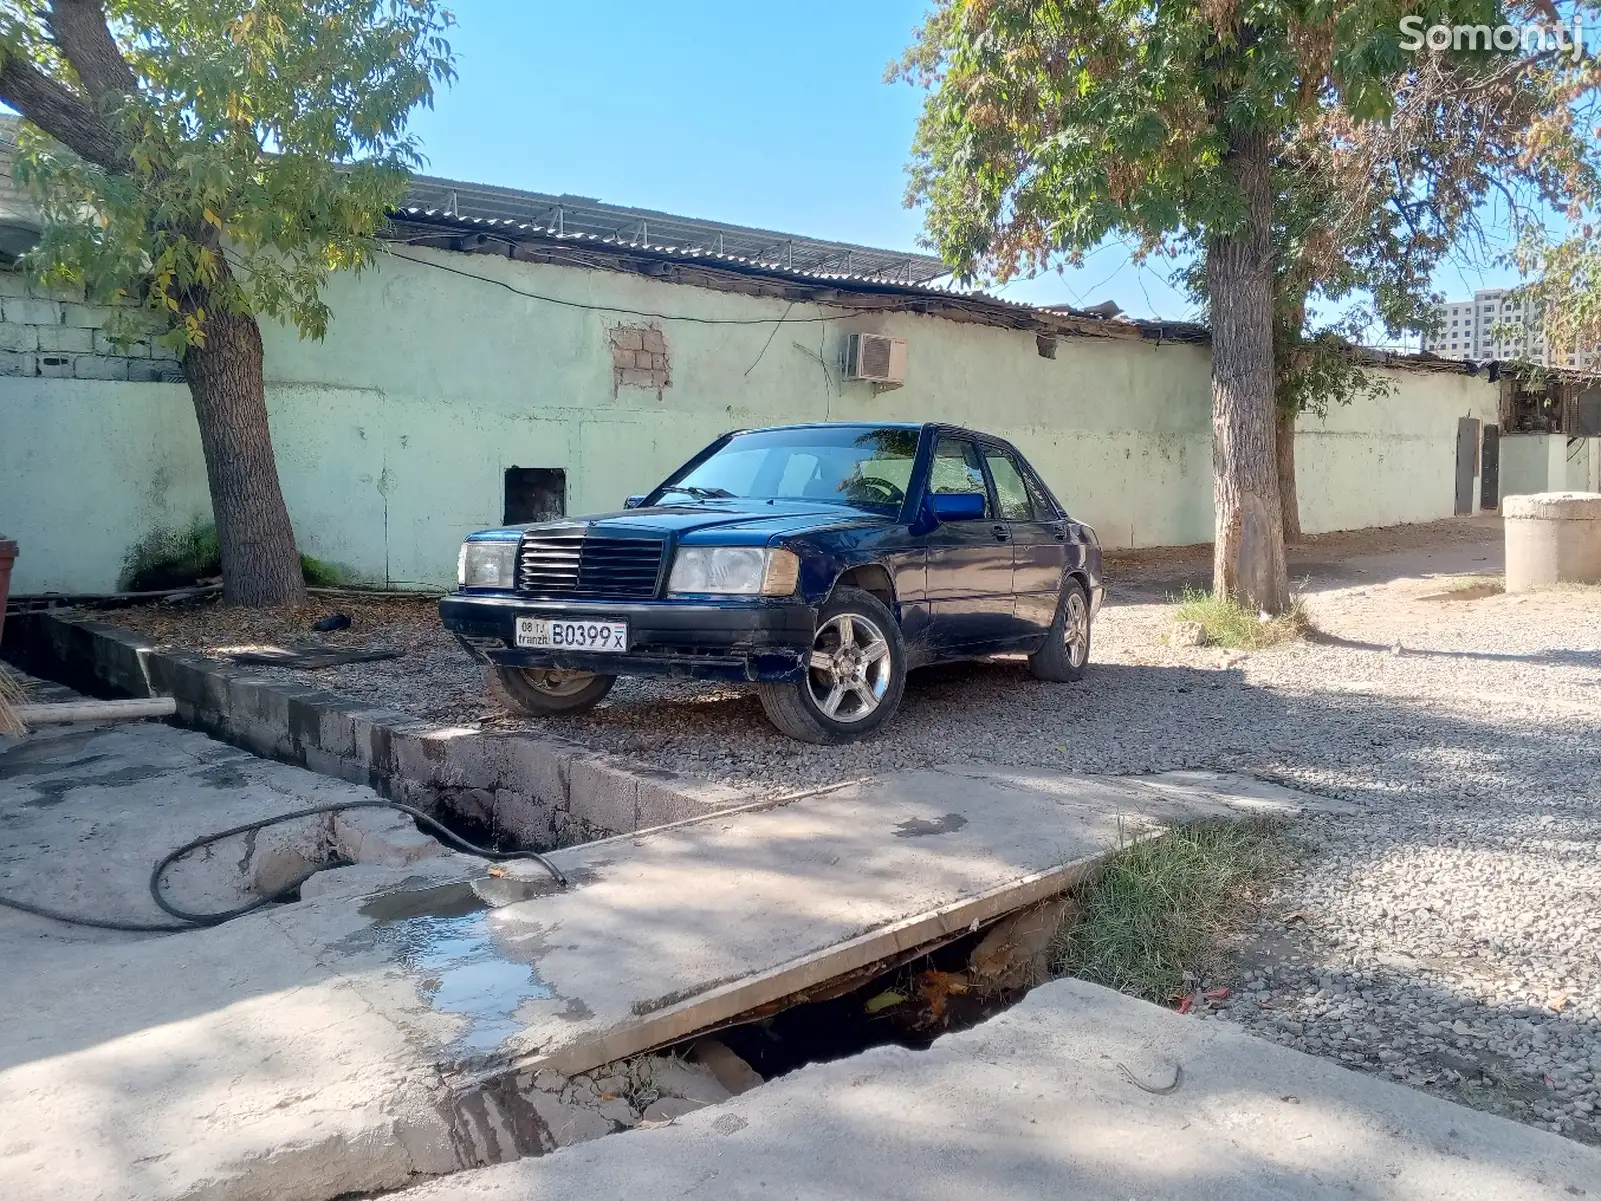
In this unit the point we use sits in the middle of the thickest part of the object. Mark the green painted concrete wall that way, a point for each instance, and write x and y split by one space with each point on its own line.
393 435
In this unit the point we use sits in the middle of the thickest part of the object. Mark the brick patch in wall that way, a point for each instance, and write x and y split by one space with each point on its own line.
61 336
639 357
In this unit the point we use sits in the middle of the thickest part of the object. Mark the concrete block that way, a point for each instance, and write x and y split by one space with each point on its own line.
86 316
627 339
65 339
535 768
666 1109
18 363
669 797
654 341
695 1082
336 731
569 1124
642 358
1016 951
732 1072
28 310
134 348
603 796
381 836
93 366
155 371
13 283
19 337
638 377
337 767
281 854
55 366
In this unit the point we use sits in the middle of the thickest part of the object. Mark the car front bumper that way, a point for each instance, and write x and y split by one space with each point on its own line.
751 640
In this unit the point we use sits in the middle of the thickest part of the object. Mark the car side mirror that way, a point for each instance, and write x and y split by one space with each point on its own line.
957 506
634 502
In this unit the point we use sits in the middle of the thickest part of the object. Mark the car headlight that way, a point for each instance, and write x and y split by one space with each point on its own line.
487 564
735 571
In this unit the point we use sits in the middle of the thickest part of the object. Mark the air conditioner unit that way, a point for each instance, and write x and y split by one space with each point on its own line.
875 358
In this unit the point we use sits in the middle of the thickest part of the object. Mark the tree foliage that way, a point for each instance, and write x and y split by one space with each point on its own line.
1053 124
270 134
210 164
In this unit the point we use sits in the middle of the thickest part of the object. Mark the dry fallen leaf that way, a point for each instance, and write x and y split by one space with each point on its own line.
497 871
1557 1002
1217 994
1297 916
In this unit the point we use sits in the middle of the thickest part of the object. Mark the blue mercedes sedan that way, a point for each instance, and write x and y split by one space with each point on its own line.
821 562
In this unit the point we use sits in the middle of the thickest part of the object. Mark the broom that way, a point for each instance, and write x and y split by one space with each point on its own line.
12 694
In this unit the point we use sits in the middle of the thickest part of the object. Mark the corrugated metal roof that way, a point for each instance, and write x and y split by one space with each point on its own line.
1009 313
634 226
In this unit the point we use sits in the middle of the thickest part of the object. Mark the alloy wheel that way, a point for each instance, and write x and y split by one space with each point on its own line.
1076 629
849 669
554 681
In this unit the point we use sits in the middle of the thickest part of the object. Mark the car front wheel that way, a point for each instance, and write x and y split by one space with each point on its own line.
544 691
1067 646
855 674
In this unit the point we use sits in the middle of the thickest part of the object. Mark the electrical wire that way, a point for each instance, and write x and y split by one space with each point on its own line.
611 308
192 920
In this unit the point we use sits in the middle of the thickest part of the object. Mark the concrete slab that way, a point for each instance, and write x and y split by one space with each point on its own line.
1045 1101
393 1022
783 898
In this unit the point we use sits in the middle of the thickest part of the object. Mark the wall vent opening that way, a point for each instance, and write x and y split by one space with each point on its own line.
535 494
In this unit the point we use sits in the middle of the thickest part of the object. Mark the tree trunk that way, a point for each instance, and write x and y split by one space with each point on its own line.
1248 551
260 565
1284 440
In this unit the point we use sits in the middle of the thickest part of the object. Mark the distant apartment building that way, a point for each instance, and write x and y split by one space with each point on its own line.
1497 325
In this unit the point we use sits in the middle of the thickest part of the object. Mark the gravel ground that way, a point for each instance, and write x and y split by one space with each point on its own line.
1449 938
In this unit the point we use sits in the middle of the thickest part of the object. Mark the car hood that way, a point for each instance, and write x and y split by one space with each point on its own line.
722 521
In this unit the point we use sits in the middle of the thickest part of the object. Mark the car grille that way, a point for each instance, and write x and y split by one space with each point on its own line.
576 564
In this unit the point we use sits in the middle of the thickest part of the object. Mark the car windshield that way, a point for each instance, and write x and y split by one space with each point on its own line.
867 468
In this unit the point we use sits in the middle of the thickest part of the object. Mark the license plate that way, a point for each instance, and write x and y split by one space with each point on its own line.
558 634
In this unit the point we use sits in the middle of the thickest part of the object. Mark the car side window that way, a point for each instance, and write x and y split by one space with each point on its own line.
957 468
1010 490
1044 506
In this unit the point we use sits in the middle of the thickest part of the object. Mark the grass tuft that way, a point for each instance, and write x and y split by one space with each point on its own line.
1485 585
1229 623
1158 916
168 558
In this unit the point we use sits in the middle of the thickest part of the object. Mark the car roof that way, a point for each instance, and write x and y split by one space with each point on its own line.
845 425
942 426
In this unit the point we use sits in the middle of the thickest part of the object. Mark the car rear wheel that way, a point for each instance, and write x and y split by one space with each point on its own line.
1067 647
543 691
855 674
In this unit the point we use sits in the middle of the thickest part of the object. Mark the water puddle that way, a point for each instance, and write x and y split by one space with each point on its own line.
445 936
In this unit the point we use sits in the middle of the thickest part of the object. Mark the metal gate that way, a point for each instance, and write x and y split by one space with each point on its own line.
1467 463
1490 469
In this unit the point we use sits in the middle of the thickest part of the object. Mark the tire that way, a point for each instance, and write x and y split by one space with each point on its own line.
544 692
876 682
1066 652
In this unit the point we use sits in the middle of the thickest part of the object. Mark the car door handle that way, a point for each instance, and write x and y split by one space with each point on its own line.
1002 534
1059 532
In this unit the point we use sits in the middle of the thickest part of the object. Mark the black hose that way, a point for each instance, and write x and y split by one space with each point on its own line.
193 921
